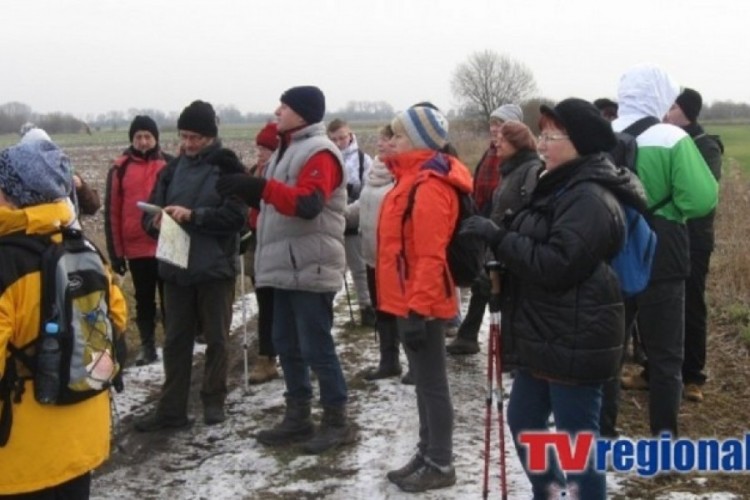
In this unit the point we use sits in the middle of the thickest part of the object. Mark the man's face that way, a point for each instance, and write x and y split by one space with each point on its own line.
287 119
675 116
143 140
192 143
342 137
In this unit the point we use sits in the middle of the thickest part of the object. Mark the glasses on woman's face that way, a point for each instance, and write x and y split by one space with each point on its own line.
551 137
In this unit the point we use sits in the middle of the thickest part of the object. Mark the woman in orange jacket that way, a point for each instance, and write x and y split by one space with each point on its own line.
415 284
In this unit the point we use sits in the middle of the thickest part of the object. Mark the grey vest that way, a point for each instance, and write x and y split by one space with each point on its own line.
295 253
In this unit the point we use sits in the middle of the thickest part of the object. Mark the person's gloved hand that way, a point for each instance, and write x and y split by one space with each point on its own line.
484 228
120 266
412 330
248 188
227 161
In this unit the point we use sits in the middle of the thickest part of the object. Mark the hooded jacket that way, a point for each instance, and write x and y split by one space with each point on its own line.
48 445
668 164
130 180
563 313
412 271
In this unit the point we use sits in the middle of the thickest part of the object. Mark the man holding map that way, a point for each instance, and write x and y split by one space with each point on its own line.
201 293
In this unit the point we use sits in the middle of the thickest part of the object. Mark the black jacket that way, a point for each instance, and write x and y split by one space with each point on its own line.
701 230
519 177
216 222
562 310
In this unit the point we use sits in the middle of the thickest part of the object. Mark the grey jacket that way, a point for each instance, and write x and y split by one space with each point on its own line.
295 253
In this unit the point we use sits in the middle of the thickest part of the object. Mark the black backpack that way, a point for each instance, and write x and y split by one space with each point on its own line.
625 152
464 254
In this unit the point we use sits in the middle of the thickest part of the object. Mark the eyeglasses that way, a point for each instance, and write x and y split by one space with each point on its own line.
188 137
551 137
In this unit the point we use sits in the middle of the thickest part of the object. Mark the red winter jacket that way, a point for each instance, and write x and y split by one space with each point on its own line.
130 179
419 281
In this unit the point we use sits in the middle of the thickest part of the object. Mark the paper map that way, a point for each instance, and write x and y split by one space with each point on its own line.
174 243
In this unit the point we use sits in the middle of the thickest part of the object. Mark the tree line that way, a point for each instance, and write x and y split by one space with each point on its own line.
484 81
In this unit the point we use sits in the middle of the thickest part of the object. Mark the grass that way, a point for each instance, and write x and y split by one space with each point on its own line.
736 139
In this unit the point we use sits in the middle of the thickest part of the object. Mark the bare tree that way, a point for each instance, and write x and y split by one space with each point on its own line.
488 79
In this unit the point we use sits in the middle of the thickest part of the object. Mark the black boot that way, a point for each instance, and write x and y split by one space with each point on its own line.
147 355
295 427
396 476
334 431
389 365
430 476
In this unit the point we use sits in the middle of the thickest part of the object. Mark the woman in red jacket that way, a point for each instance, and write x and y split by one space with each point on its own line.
414 282
131 180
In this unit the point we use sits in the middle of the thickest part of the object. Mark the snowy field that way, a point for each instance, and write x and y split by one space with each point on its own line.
226 462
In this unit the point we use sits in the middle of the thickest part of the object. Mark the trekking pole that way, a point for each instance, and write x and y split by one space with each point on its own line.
348 298
494 364
245 347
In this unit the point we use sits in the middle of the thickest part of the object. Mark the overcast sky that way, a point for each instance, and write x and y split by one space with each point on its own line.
92 56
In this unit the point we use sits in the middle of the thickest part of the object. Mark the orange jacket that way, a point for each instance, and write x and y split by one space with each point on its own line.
418 278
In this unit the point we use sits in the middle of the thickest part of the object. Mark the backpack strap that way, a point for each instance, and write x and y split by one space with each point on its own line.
640 126
361 157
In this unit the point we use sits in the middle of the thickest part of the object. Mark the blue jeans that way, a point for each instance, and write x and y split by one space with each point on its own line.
575 408
302 323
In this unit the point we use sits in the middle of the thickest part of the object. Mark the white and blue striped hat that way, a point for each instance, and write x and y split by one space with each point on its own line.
426 127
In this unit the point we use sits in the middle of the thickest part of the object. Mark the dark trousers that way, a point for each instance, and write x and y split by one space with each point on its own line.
146 281
428 367
264 296
386 322
695 318
302 323
208 307
480 296
78 488
575 408
661 313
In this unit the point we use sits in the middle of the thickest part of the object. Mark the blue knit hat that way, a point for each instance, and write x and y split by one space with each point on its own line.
426 127
36 172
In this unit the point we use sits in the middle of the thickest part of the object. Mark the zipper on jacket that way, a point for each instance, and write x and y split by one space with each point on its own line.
292 258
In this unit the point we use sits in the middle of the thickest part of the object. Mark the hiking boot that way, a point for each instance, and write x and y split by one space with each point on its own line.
408 379
213 414
295 427
634 382
367 316
463 346
155 422
146 356
451 331
263 370
429 476
693 392
382 371
334 431
396 476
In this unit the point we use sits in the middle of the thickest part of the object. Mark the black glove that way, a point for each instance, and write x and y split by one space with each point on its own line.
248 188
412 330
227 161
484 228
120 266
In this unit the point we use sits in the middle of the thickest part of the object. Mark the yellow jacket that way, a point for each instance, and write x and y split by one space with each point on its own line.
48 445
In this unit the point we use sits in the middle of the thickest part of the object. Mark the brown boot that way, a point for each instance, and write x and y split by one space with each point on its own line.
634 382
263 370
693 392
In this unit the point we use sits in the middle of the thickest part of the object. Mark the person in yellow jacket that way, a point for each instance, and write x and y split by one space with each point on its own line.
51 449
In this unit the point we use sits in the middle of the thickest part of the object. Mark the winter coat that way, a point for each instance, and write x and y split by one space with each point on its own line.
519 173
48 445
130 179
701 229
670 167
411 269
216 222
563 313
365 211
294 253
352 165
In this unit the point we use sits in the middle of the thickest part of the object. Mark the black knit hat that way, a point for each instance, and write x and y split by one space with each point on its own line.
587 130
690 102
143 122
200 118
307 101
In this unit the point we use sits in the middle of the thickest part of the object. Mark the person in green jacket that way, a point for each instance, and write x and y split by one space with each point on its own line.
676 179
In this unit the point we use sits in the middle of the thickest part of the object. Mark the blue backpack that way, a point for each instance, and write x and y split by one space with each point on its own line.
633 262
